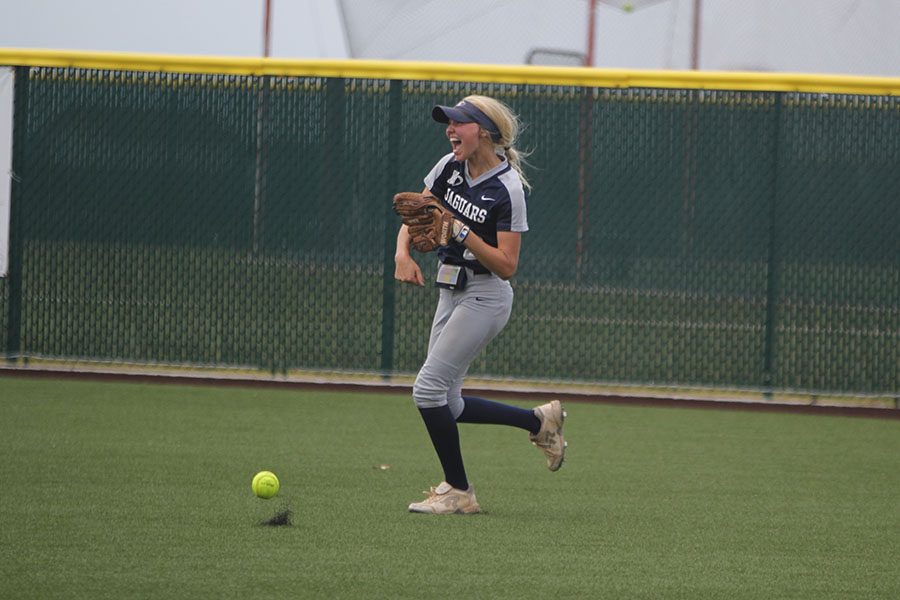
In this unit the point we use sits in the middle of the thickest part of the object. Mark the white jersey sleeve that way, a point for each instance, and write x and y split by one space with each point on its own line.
517 219
437 170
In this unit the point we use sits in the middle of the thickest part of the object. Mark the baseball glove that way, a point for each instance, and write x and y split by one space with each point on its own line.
429 223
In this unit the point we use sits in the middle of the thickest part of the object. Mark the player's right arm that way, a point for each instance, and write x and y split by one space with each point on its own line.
405 267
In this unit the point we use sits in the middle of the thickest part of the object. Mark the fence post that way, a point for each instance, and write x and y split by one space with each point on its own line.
395 99
16 213
773 259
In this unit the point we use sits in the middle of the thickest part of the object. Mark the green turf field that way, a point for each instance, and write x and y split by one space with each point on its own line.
114 490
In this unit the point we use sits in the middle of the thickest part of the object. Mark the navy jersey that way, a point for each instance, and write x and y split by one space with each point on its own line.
493 202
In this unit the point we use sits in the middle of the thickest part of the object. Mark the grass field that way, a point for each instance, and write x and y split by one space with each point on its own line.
116 490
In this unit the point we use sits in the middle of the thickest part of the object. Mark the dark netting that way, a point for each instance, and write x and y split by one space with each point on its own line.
678 237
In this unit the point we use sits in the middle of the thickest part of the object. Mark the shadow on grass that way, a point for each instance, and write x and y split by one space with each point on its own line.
282 518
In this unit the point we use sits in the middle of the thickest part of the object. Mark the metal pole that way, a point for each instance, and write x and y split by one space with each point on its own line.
773 261
584 140
261 101
695 36
21 93
267 22
589 53
388 286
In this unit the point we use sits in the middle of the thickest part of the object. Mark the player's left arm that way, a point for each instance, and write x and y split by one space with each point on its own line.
502 261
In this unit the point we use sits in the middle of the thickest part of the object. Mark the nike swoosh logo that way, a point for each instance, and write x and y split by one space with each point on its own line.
486 199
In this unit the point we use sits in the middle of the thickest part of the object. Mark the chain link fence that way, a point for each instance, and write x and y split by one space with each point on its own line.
678 237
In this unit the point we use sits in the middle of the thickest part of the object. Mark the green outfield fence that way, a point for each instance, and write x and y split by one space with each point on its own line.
686 228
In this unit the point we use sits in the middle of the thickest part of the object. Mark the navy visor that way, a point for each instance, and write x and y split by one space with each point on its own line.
465 112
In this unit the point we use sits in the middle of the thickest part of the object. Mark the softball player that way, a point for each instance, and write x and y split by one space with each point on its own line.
482 183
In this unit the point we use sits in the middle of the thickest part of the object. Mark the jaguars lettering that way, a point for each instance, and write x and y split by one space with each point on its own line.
464 207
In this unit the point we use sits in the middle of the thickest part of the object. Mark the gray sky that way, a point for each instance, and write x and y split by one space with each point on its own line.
301 28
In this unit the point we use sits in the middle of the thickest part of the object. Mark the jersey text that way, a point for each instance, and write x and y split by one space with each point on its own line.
464 207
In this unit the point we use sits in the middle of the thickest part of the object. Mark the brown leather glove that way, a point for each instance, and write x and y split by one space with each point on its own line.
430 224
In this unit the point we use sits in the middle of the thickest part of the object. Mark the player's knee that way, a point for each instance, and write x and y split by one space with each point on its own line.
428 393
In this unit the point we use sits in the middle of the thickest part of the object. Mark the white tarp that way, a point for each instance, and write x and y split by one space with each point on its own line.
848 37
7 79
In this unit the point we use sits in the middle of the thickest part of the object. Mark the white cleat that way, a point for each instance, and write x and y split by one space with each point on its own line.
447 500
550 438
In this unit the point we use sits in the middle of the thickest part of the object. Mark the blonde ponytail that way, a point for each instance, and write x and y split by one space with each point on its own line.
508 124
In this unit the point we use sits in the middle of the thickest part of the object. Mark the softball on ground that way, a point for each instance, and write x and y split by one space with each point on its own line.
265 484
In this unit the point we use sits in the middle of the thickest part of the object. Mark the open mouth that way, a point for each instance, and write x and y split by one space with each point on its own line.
455 143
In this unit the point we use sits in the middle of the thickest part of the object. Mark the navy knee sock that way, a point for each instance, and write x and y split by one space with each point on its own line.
479 410
445 437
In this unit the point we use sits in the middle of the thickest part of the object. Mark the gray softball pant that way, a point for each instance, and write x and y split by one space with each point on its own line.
464 322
